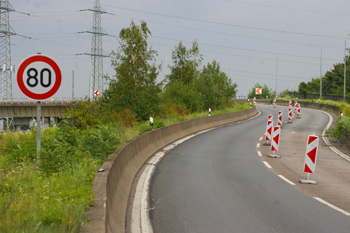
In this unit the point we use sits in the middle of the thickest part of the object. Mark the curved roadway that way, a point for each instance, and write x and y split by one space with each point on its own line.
215 182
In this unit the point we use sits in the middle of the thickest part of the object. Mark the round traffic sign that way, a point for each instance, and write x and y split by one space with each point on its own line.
39 77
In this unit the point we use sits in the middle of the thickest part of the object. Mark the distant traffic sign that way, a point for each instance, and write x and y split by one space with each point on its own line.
39 77
96 93
258 91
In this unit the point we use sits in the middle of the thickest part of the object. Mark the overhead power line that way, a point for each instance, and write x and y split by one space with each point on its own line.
289 8
235 17
244 49
228 24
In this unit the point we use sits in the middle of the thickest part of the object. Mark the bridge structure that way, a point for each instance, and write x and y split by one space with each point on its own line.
20 112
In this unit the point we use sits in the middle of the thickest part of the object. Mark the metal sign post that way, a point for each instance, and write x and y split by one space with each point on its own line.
38 130
39 77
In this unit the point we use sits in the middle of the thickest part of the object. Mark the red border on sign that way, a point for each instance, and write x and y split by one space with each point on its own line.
39 58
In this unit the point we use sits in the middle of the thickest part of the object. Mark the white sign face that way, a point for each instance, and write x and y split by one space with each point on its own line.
39 77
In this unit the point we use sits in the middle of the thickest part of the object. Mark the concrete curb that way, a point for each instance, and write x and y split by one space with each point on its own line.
112 187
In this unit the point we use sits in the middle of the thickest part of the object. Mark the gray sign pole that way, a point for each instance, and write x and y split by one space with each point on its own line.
38 130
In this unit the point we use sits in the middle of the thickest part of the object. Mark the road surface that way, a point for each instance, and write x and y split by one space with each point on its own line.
215 182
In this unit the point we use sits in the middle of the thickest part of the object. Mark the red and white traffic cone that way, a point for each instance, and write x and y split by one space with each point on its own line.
310 158
275 142
268 132
274 102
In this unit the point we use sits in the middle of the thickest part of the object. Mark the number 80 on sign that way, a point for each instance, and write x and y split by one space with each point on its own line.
39 77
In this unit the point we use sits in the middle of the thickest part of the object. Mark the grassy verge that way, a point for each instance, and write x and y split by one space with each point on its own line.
52 195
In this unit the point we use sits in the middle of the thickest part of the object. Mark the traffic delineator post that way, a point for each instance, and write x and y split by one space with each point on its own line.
268 132
290 114
274 102
295 105
280 119
310 158
298 111
275 139
254 100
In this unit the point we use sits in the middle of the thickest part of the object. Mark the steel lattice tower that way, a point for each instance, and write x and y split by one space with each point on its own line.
5 50
96 72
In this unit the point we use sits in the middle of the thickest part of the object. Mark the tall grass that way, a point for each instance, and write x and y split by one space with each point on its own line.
52 194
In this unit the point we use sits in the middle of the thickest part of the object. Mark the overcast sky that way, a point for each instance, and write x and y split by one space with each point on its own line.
244 36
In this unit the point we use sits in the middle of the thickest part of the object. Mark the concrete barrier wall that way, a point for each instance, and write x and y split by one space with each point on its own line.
261 101
112 187
326 107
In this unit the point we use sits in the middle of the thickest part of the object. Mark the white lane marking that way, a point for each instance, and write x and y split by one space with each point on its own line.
325 139
183 139
169 147
286 180
259 153
332 206
140 211
258 145
267 164
261 138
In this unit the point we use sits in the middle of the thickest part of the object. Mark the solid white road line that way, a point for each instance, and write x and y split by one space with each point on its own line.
286 180
259 153
140 212
325 139
267 164
332 206
169 147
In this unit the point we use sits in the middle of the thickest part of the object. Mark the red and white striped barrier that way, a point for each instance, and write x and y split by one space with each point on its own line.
310 158
275 142
280 118
290 114
290 103
269 126
274 103
295 105
254 100
298 110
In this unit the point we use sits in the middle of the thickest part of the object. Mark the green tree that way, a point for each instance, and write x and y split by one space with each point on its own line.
184 95
265 91
134 85
310 87
332 81
185 63
215 85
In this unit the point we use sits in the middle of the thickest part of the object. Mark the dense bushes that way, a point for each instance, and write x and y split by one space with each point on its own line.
53 193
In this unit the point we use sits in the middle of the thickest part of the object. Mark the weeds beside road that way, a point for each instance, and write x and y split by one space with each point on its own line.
52 194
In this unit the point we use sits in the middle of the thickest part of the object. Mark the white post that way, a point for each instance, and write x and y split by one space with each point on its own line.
276 71
321 74
344 72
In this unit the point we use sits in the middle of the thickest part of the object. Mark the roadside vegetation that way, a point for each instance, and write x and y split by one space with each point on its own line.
342 127
52 192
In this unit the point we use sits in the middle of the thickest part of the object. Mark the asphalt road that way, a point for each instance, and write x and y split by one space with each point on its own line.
215 182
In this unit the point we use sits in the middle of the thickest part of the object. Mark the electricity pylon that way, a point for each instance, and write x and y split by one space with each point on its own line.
5 50
97 54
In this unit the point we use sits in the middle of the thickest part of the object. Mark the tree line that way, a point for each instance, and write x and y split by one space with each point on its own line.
332 81
188 86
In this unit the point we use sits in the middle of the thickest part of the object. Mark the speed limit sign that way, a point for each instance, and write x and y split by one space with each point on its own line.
39 77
